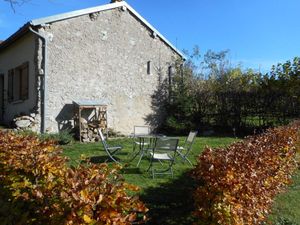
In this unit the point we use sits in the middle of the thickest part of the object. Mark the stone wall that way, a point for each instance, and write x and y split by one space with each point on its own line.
103 56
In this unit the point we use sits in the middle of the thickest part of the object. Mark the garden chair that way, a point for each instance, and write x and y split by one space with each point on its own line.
111 151
164 152
184 150
141 141
140 131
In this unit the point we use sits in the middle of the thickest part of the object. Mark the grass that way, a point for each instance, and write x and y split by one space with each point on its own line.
169 199
286 209
132 173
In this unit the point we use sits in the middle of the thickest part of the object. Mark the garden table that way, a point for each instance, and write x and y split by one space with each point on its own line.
146 143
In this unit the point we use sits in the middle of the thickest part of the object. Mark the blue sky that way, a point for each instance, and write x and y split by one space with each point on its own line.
258 33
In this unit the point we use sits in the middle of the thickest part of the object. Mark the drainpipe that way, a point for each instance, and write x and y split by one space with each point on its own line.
43 86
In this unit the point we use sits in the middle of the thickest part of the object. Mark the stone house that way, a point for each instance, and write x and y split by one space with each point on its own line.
108 53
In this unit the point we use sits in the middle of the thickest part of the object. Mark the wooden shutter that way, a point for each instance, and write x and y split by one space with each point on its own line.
24 72
10 90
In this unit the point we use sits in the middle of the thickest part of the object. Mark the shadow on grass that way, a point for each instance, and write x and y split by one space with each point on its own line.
171 203
100 159
131 171
106 159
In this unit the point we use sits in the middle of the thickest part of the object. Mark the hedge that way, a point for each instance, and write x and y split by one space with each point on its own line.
237 185
38 187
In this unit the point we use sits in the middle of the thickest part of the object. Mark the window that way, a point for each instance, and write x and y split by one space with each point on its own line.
170 74
18 83
149 67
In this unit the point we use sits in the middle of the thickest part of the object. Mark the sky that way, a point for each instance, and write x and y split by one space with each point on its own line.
258 33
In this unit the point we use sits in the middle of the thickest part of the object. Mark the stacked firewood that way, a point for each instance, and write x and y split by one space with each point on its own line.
89 130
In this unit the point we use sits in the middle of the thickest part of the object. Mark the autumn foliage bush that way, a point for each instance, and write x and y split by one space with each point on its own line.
37 187
237 184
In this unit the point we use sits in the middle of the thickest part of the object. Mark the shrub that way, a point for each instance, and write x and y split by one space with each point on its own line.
237 184
62 138
37 187
112 133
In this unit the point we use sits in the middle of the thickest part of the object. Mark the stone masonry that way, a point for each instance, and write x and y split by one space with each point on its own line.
104 56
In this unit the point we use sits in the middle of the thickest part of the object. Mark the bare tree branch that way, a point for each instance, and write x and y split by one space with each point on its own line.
14 3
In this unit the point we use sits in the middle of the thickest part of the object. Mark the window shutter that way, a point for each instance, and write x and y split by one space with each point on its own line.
24 82
18 83
10 90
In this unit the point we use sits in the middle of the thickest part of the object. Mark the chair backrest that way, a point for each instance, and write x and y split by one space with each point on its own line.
141 130
166 144
102 139
190 139
191 136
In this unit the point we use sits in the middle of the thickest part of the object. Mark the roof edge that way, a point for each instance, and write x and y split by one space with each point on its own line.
50 19
76 13
81 12
19 33
154 30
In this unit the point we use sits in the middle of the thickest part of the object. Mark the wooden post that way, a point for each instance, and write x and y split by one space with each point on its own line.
79 119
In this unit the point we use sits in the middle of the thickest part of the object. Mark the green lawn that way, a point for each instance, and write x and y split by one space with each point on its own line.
169 199
132 173
286 209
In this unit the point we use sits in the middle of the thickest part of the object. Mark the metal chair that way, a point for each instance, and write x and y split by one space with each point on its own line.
141 141
164 152
140 131
184 150
111 151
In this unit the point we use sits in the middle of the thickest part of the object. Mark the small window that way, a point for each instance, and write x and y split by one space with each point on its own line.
18 83
149 67
170 74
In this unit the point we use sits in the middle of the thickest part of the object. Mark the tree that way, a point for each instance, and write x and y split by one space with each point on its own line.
208 92
13 3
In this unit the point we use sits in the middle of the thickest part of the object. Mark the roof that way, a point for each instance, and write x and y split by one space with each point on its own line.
19 33
84 102
72 14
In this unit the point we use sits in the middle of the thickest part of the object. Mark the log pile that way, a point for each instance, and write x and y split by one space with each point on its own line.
91 116
89 130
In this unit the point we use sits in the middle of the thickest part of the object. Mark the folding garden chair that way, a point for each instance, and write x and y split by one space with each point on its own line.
184 150
140 131
141 141
164 152
111 151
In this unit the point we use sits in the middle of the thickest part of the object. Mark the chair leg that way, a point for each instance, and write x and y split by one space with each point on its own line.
142 154
186 158
181 155
133 147
168 171
112 158
150 165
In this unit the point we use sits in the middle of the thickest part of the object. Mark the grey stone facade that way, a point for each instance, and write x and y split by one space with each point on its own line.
102 56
